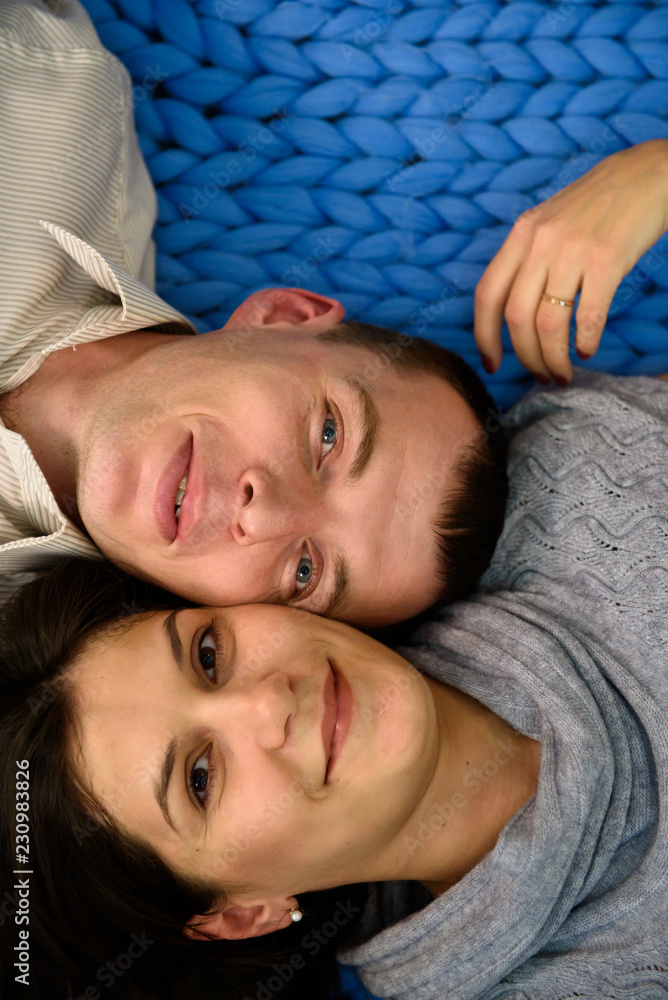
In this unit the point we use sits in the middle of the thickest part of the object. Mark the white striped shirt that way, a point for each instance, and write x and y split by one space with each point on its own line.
70 171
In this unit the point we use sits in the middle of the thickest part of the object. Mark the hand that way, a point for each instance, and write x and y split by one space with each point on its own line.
587 236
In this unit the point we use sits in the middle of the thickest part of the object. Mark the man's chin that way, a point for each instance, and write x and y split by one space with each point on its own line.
121 557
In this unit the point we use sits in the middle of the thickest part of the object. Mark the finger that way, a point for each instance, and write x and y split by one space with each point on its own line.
595 299
553 324
490 299
520 312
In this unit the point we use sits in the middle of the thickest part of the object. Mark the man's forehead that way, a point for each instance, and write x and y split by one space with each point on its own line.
379 365
318 352
255 344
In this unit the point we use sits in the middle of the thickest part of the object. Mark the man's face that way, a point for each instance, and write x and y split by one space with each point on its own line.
314 472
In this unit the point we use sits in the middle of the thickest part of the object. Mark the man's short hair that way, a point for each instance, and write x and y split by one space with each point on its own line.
472 510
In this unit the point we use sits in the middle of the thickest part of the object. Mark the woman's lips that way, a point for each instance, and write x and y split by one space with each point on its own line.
343 696
165 492
329 717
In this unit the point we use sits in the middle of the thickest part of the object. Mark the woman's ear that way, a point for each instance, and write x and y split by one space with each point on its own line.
242 920
295 309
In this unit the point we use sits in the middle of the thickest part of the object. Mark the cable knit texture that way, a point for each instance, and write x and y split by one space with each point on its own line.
590 495
378 151
567 641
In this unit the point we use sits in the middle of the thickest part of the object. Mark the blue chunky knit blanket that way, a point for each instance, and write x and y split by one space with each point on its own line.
378 151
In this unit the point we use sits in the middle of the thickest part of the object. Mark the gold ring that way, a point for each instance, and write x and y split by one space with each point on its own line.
553 300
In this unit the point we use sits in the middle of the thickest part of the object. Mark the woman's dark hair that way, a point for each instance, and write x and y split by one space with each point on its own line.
104 913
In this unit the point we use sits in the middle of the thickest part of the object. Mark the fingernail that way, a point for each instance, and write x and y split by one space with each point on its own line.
582 356
539 377
488 364
560 380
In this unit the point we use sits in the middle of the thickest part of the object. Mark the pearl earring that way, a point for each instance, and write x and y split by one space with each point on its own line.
296 914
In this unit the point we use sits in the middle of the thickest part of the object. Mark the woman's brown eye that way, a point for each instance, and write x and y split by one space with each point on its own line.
201 778
207 653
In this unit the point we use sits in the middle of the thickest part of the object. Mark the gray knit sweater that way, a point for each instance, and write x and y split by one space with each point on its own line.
568 641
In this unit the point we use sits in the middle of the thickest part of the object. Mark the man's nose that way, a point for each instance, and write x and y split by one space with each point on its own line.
259 708
276 506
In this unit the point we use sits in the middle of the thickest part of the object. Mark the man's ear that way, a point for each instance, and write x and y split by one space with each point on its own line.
295 309
242 920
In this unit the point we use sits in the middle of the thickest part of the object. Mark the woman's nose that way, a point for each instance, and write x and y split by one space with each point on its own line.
260 708
277 507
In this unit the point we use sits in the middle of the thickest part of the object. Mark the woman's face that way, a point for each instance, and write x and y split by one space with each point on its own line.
258 745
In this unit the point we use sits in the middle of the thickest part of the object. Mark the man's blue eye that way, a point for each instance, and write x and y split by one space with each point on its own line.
304 571
329 435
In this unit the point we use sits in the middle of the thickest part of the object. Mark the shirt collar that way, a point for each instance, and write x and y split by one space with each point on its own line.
140 307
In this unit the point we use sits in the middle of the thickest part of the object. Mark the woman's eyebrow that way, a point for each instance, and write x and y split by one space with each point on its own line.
161 786
170 628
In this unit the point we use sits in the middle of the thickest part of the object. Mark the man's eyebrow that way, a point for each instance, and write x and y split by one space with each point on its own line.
370 421
161 787
339 591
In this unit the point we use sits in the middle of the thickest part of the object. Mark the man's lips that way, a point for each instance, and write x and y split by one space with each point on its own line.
193 502
337 717
165 492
